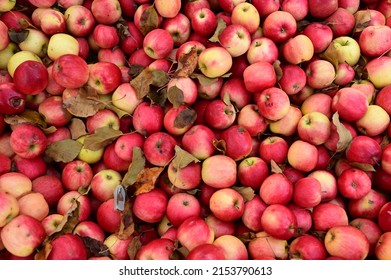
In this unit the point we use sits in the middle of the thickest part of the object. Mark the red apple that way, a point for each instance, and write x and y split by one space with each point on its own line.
158 249
279 221
159 148
262 49
70 71
151 206
371 230
28 141
307 247
148 118
11 100
76 174
307 192
107 217
219 171
227 204
302 156
279 26
67 247
276 189
274 148
181 206
254 81
67 202
382 250
327 215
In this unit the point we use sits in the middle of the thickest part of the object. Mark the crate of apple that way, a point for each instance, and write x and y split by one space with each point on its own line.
203 129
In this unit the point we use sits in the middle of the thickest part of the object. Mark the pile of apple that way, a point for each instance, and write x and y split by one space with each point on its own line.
198 129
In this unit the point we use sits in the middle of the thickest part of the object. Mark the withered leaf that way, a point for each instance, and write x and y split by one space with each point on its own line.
102 137
146 179
187 63
227 75
179 253
149 20
126 227
227 99
362 20
221 25
64 150
278 69
203 80
275 168
135 70
137 165
120 113
123 30
185 118
385 141
44 252
95 248
142 82
158 97
175 96
84 190
344 135
182 158
246 192
159 78
133 247
81 102
27 116
247 237
77 128
220 145
18 36
363 166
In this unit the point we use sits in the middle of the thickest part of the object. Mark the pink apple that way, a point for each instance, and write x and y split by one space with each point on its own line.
203 22
219 115
193 232
382 250
148 118
107 217
279 26
274 148
15 183
368 206
293 79
249 166
297 8
186 178
371 230
9 208
327 215
320 74
89 229
158 249
320 34
79 20
267 247
34 205
295 54
227 204
279 221
76 174
103 184
276 189
385 217
262 49
106 11
31 167
254 81
307 247
198 141
179 27
214 62
302 156
67 202
364 149
328 183
53 111
159 148
68 247
220 227
246 14
219 171
70 71
273 103
181 206
125 144
28 141
151 206
158 43
354 183
236 39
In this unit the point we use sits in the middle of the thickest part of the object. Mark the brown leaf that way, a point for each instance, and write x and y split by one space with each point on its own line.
133 247
27 116
183 158
149 20
135 70
18 36
123 30
247 237
84 190
64 150
44 252
102 137
385 141
363 166
81 102
159 78
275 168
175 96
187 63
278 69
137 165
95 248
246 192
158 97
203 80
344 135
220 145
362 20
77 128
126 227
221 25
142 82
146 179
185 118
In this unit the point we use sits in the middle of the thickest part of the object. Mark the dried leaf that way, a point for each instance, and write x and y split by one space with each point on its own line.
27 116
227 99
84 190
95 248
126 227
344 135
203 80
81 102
187 63
142 82
158 97
135 70
247 237
137 165
44 252
385 141
183 158
146 179
18 36
149 20
120 113
185 118
275 168
246 192
278 69
221 25
77 128
220 145
102 137
64 150
362 19
123 30
179 253
159 78
133 247
363 166
227 75
175 96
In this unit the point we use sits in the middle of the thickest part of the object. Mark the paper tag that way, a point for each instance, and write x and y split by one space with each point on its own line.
119 198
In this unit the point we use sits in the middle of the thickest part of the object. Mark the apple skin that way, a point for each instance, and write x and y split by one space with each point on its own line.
276 189
287 125
159 148
104 77
250 118
220 227
34 205
297 8
279 26
150 207
186 178
22 235
273 148
302 155
214 62
384 217
383 246
68 247
158 43
249 166
103 184
371 230
368 206
247 15
32 168
293 79
255 82
62 44
206 252
216 168
148 118
375 69
168 10
266 247
307 247
28 141
279 221
374 122
79 20
238 142
9 208
307 192
107 217
106 11
76 174
203 22
370 150
347 242
343 102
188 88
320 34
375 33
273 103
158 249
327 215
70 71
31 77
5 163
219 115
227 204
318 102
193 232
295 55
181 206
354 183
15 183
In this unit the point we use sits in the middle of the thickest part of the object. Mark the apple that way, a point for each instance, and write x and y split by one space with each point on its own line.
354 183
273 103
255 82
173 114
79 20
104 77
219 115
9 208
103 184
295 54
382 98
307 192
35 42
32 168
287 125
106 11
342 22
328 184
210 90
293 79
203 22
274 148
181 206
159 148
190 7
51 222
112 161
105 36
28 141
371 230
53 111
343 49
179 27
227 204
67 202
158 43
62 44
103 118
297 8
188 88
317 102
22 235
158 249
368 206
70 71
347 242
33 204
276 189
193 232
302 156
67 247
384 217
343 100
130 43
151 206
247 15
125 144
107 217
327 215
148 118
374 69
238 142
49 20
351 5
320 34
18 58
266 247
117 247
5 163
307 247
379 119
303 219
214 62
76 174
250 118
50 187
198 141
382 249
219 226
262 49
279 26
15 183
206 252
371 34
233 248
370 150
320 74
314 128
168 10
249 166
279 221
236 39
186 178
219 171
125 98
